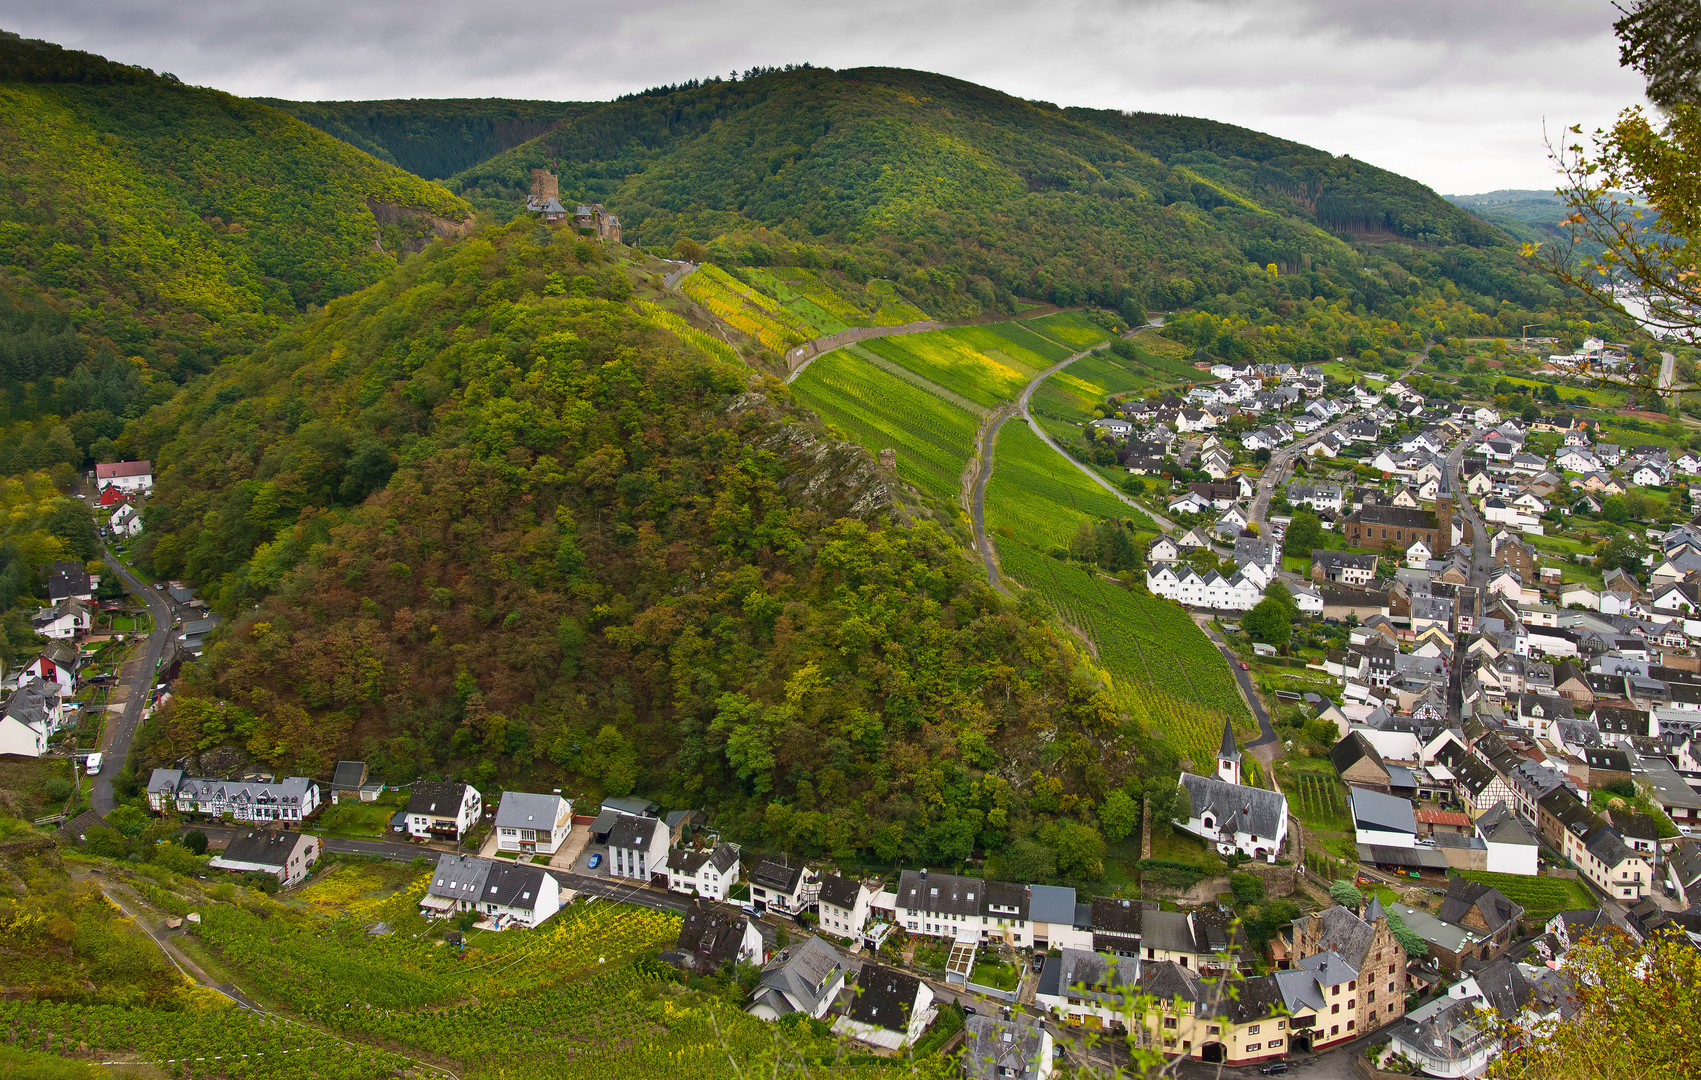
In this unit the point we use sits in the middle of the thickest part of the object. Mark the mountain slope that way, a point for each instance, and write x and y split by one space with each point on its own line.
502 526
434 138
174 223
965 195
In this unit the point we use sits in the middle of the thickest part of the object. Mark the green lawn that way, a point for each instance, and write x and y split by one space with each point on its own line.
1541 897
996 974
360 818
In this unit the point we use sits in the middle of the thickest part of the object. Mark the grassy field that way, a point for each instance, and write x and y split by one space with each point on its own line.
933 438
1541 897
1037 498
361 818
1164 671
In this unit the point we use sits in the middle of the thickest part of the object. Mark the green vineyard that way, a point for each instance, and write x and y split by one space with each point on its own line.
829 303
1165 671
988 365
933 438
1039 498
1070 328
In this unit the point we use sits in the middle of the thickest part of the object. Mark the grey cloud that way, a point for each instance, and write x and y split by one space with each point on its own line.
1453 92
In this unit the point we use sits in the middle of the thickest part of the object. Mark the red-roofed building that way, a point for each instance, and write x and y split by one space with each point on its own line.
125 475
1430 822
111 496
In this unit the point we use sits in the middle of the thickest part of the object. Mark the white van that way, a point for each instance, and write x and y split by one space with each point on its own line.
92 765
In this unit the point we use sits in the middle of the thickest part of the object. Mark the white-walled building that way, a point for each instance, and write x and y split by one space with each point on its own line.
532 823
503 893
442 810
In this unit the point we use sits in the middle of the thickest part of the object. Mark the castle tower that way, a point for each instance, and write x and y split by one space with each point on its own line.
1228 758
544 186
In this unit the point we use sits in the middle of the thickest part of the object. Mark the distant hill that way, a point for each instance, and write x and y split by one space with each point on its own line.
1528 215
142 217
965 195
434 138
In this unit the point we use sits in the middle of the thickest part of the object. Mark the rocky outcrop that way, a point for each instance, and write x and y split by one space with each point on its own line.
410 228
838 478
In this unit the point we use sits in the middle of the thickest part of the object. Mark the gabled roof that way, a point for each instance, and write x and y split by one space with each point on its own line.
1250 810
1464 895
1229 749
635 833
839 891
115 470
522 810
443 798
805 973
886 997
261 847
711 936
944 893
349 775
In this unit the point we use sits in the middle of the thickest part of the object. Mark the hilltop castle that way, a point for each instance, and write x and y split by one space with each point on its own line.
589 219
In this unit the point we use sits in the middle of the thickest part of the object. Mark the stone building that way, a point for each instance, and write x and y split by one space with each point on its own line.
1394 528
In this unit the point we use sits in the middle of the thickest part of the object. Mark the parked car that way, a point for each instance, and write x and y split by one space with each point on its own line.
1275 1068
1243 666
596 861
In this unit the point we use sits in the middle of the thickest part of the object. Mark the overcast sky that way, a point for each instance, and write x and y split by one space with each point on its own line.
1452 92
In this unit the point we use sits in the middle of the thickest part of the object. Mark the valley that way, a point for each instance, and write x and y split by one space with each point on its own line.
781 473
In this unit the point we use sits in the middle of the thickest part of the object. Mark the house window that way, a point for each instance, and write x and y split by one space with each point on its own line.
1334 1030
1335 1008
1253 1047
1253 1030
1352 985
1350 1024
1275 1043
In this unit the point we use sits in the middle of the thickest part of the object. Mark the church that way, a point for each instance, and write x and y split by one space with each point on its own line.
1231 816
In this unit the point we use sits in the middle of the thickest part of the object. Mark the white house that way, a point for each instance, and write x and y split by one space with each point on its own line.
503 893
1083 988
62 621
804 978
33 714
442 810
703 872
1231 816
843 905
890 1009
126 521
1310 601
289 800
125 475
532 823
1382 820
1019 1047
1163 550
1512 848
637 847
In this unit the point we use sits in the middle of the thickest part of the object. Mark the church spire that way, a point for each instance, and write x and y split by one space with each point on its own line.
1228 758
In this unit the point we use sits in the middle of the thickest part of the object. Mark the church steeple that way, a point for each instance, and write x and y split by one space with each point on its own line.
1228 758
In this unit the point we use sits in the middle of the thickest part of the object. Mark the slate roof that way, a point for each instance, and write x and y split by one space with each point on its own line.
804 973
1387 813
839 891
946 894
1051 904
523 810
635 833
710 936
1353 749
1463 895
440 797
349 775
1101 976
1004 1049
885 998
1342 931
262 847
1251 810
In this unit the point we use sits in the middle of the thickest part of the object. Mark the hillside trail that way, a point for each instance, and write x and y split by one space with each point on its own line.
821 346
117 893
980 463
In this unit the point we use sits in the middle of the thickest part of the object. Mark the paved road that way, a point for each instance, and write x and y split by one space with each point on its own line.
1281 460
115 741
1482 562
1267 732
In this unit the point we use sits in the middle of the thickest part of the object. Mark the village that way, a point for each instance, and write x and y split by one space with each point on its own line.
1497 720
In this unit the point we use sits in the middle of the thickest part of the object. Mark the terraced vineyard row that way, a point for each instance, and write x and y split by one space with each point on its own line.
1166 673
989 365
933 438
1037 498
829 303
745 309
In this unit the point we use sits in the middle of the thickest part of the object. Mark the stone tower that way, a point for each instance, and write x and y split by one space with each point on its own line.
1228 758
544 185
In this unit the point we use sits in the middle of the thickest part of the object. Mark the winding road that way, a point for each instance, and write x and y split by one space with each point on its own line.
137 680
989 439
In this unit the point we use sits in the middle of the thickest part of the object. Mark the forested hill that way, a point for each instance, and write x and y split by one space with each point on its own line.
563 540
434 138
967 196
140 217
